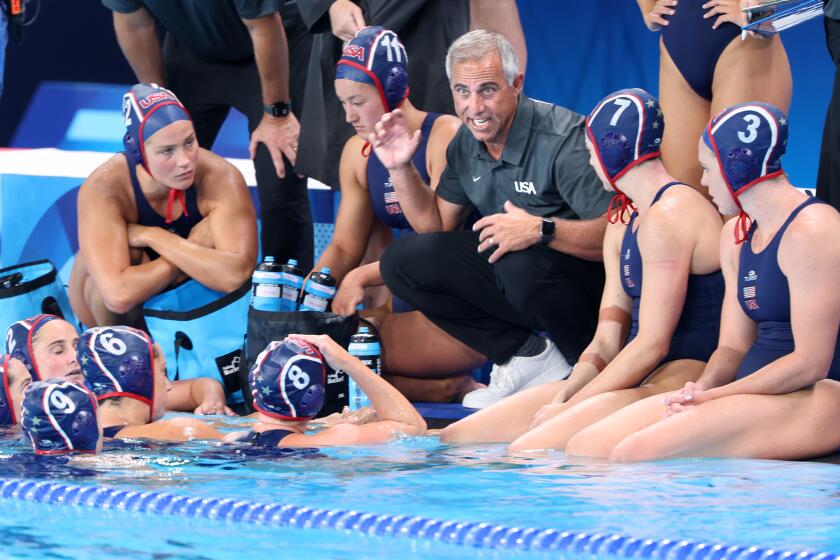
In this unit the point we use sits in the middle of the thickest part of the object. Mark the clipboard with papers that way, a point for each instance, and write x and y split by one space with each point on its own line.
784 14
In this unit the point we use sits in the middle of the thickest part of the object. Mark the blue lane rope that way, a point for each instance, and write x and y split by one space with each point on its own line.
480 535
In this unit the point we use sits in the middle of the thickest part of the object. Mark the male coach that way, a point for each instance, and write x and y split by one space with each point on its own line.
531 263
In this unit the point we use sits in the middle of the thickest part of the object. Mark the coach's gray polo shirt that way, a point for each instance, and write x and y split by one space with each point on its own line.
544 167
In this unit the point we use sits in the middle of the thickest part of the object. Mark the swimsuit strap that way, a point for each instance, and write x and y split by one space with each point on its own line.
662 190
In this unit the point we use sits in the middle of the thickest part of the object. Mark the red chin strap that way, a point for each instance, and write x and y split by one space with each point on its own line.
618 208
173 194
742 227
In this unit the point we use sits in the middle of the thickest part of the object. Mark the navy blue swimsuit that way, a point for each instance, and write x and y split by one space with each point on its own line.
112 431
694 46
386 204
268 438
764 296
146 215
696 334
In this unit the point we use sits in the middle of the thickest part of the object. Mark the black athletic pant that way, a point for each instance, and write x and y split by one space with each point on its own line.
828 176
494 308
209 90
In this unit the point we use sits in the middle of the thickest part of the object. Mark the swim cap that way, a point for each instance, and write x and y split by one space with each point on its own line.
7 407
287 380
59 417
118 362
19 341
146 109
625 129
748 141
376 56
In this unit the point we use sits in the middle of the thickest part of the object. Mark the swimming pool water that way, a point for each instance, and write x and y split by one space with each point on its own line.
774 504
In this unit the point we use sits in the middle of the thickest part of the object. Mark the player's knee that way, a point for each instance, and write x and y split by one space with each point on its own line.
589 442
404 259
635 448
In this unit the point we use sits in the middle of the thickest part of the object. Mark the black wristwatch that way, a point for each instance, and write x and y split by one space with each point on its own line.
281 109
547 231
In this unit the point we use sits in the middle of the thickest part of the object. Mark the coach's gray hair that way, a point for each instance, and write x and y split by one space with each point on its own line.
477 44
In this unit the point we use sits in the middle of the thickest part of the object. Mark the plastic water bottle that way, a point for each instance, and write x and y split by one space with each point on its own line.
265 286
291 279
365 346
319 291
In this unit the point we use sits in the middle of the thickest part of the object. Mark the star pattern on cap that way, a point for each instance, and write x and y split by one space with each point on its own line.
266 391
650 103
36 421
84 360
783 121
658 113
655 124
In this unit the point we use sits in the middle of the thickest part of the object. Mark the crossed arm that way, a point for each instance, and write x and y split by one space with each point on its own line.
220 252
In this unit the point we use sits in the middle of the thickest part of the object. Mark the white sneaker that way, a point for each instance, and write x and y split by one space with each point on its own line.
520 373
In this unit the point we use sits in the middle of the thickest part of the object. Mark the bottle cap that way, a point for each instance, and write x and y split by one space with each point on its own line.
293 262
268 259
364 330
325 270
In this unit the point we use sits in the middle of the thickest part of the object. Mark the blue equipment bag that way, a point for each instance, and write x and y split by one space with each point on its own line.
201 332
30 289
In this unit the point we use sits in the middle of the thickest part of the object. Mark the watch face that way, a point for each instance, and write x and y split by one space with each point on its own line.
548 227
281 109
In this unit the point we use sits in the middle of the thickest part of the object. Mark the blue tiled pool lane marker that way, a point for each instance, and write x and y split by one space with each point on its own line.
479 535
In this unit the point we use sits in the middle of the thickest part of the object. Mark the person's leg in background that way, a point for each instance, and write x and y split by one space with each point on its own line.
828 176
208 91
286 219
558 293
200 86
444 276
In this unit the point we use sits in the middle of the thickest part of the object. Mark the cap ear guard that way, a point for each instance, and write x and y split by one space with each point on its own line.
19 339
738 164
615 151
60 417
396 86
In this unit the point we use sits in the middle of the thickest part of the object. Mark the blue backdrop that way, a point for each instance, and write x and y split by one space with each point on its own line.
579 50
